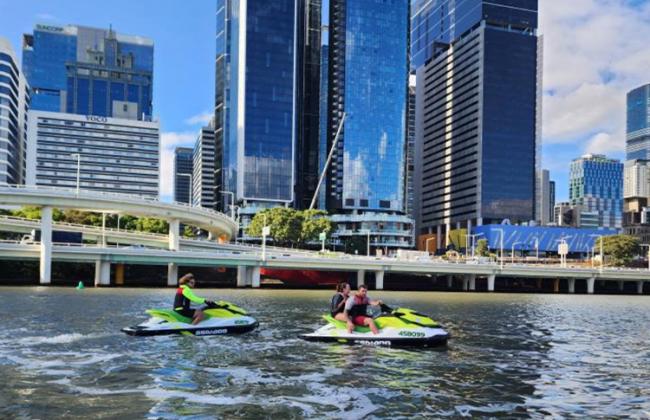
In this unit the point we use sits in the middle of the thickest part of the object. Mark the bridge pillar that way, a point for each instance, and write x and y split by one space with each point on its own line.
255 277
45 273
119 274
639 287
379 280
450 282
174 226
491 279
102 273
556 285
472 281
242 280
621 285
572 285
361 277
590 285
465 283
172 274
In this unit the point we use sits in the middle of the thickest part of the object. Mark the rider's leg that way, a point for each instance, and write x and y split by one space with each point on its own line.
371 323
198 317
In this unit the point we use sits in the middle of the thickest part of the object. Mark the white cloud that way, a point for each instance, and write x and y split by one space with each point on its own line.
168 142
595 51
202 118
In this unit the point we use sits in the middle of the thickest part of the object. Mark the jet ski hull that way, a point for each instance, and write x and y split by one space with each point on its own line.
198 330
423 337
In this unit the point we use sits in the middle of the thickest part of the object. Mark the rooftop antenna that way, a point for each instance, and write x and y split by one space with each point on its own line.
327 162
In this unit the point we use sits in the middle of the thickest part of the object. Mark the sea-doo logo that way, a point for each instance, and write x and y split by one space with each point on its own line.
211 332
411 334
374 342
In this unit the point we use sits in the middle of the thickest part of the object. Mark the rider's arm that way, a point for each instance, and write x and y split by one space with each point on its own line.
348 305
187 292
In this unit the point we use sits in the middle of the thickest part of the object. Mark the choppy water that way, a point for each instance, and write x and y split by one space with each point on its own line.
62 355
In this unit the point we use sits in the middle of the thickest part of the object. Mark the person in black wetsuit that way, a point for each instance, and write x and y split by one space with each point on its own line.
184 297
337 308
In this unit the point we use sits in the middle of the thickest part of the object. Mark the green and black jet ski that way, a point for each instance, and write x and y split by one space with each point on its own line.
220 318
400 327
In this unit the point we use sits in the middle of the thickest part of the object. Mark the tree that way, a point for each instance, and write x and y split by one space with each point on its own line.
482 248
619 249
314 222
285 224
188 232
152 225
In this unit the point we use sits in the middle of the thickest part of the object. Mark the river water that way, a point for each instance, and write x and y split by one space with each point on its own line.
62 355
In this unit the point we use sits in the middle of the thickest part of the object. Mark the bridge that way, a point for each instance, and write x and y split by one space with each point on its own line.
249 263
47 198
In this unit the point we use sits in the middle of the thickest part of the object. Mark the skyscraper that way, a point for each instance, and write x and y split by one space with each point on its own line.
545 209
478 67
596 188
368 83
203 168
89 71
255 107
14 103
638 123
183 172
409 194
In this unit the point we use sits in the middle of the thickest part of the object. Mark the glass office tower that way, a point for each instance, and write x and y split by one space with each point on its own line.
255 103
478 66
596 189
14 103
89 71
368 82
183 172
638 123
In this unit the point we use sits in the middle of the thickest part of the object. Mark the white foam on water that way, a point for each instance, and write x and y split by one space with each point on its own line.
86 390
57 339
164 394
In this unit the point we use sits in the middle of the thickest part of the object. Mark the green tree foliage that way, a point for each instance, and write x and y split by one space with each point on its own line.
188 232
152 225
619 250
314 222
289 226
482 248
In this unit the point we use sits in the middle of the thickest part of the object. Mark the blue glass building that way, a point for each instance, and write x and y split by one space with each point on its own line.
183 173
368 82
478 122
255 108
89 71
596 188
638 123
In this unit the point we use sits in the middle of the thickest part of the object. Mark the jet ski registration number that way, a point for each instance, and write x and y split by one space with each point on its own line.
211 332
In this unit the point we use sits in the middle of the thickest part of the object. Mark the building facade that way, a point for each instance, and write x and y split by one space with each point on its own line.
368 86
409 192
14 104
103 154
183 172
203 169
596 188
638 124
255 107
478 67
547 198
89 71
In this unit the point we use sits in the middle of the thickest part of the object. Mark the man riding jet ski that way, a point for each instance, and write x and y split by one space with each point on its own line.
395 327
215 318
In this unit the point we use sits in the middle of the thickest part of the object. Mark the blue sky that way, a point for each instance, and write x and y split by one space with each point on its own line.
594 52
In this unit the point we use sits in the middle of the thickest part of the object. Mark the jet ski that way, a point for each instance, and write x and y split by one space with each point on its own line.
400 327
219 318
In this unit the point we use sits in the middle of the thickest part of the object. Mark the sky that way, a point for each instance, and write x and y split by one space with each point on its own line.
595 51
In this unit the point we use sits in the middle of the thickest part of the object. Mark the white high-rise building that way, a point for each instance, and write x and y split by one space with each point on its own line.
636 179
14 103
203 168
93 153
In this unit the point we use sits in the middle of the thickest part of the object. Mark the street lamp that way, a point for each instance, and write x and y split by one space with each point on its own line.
78 156
232 204
190 199
474 236
512 254
648 245
368 243
502 233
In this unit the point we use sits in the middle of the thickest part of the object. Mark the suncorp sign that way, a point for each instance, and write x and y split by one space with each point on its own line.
95 118
49 28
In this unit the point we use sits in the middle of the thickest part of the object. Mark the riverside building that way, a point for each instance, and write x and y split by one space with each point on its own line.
638 124
203 169
14 103
89 71
93 153
596 189
478 113
183 162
